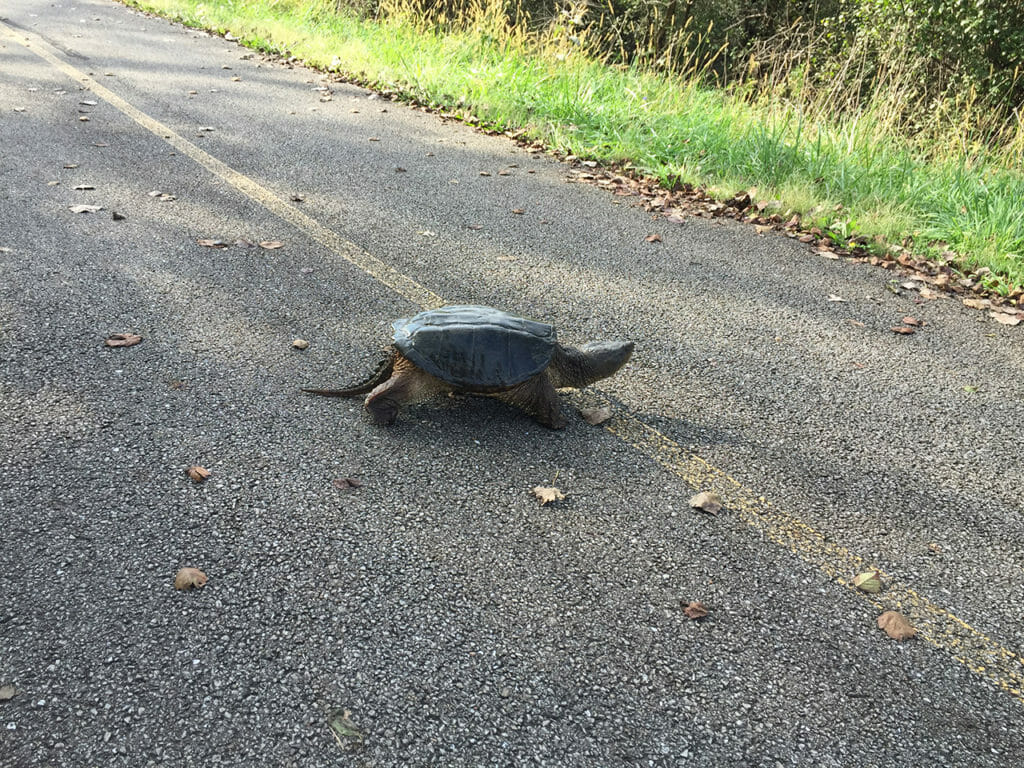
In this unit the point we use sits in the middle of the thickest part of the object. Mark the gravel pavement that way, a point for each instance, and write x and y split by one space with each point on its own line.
437 614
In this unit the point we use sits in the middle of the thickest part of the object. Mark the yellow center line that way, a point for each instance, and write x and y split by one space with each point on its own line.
935 625
371 265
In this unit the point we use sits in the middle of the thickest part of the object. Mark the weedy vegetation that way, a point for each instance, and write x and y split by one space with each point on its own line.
888 121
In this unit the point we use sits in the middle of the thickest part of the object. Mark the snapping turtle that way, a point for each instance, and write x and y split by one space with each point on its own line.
481 351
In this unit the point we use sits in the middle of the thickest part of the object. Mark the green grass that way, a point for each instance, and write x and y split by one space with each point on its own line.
850 173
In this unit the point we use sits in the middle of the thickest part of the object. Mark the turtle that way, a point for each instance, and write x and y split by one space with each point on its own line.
464 348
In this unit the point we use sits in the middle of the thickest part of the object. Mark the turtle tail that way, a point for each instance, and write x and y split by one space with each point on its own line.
381 374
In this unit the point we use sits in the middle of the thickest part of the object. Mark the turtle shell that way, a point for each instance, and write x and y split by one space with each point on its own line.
476 348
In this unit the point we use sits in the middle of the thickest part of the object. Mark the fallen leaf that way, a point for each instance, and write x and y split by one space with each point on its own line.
934 548
833 297
977 303
906 330
707 502
970 389
84 187
374 138
70 165
896 625
343 727
297 199
912 321
807 238
695 610
271 245
210 243
546 495
654 238
505 172
519 211
189 578
869 581
762 228
7 692
346 483
485 173
300 344
197 473
85 208
1004 319
596 416
929 294
122 340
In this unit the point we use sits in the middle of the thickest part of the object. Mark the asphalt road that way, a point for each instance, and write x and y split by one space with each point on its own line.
455 620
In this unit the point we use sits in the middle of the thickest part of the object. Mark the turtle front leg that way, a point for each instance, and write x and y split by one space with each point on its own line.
408 384
539 398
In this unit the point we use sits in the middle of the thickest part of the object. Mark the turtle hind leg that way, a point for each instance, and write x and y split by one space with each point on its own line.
538 397
408 384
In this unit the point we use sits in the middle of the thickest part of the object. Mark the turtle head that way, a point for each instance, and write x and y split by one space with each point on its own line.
591 362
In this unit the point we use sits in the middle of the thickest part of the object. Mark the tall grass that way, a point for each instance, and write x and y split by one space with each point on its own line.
852 168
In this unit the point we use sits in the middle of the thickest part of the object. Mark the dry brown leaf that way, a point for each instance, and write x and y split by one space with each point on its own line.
1004 319
906 330
271 245
346 483
653 238
547 495
7 692
85 208
695 610
896 625
934 548
977 303
197 473
300 344
707 502
869 581
596 416
912 321
485 173
519 211
762 228
189 578
211 243
122 340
